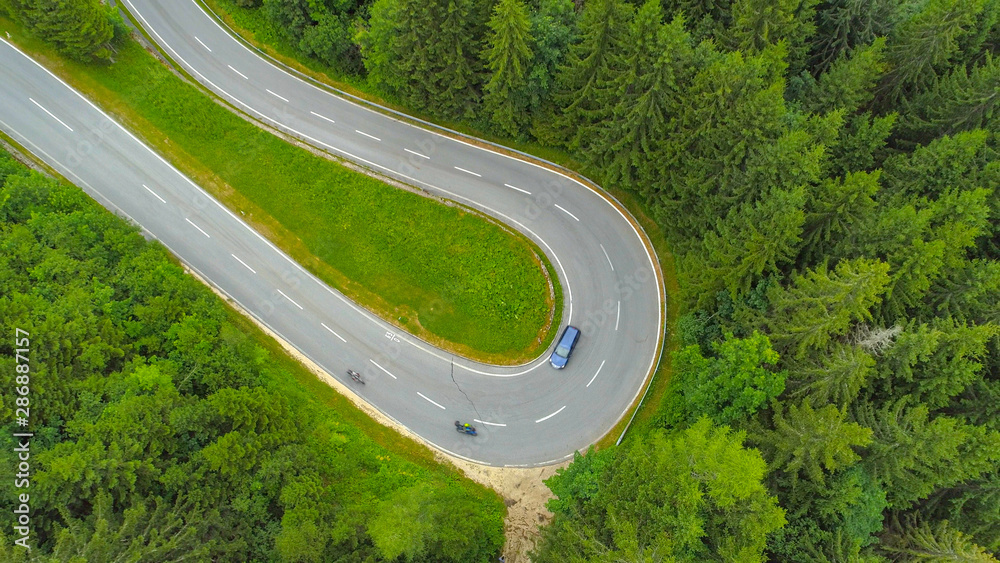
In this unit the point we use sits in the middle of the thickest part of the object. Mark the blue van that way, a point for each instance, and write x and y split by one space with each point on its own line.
560 356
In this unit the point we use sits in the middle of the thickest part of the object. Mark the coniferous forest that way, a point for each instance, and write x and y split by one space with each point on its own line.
826 174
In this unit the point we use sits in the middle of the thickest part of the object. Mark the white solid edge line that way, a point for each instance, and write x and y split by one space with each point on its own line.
202 44
357 131
279 96
197 227
608 257
388 372
606 200
83 182
242 262
518 189
619 314
431 401
566 211
322 117
154 193
288 298
378 322
418 154
469 172
52 115
544 418
488 423
238 72
235 300
333 332
598 371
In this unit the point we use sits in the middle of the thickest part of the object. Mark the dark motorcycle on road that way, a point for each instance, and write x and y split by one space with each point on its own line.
465 428
355 376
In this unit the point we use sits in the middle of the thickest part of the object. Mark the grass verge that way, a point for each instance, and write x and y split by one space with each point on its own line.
256 29
440 271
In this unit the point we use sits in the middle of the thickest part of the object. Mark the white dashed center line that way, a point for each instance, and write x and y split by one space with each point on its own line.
322 117
430 401
333 332
416 153
595 375
282 98
619 315
543 419
564 209
244 263
202 44
61 122
469 172
367 135
488 423
288 298
608 257
241 74
197 227
387 371
154 193
518 189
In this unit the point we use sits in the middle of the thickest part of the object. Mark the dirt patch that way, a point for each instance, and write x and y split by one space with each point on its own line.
525 495
522 489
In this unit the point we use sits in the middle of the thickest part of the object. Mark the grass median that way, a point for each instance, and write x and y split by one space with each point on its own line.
438 270
255 28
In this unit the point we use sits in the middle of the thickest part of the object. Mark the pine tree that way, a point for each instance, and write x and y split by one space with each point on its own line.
922 46
427 53
753 240
912 454
821 304
849 82
836 208
834 377
508 56
646 90
813 442
960 101
934 362
759 23
920 541
583 96
845 25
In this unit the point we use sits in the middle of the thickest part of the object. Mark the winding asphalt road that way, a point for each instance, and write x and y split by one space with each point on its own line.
527 415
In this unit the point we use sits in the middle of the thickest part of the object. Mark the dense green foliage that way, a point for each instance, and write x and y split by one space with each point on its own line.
165 431
827 176
82 29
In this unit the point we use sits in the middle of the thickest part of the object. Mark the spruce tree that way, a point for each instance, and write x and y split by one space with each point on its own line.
922 46
822 304
625 141
961 101
508 56
584 96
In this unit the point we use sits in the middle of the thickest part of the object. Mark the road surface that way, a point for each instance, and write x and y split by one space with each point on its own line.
526 415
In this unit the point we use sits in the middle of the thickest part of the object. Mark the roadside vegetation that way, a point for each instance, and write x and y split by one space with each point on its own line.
826 175
168 427
440 271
